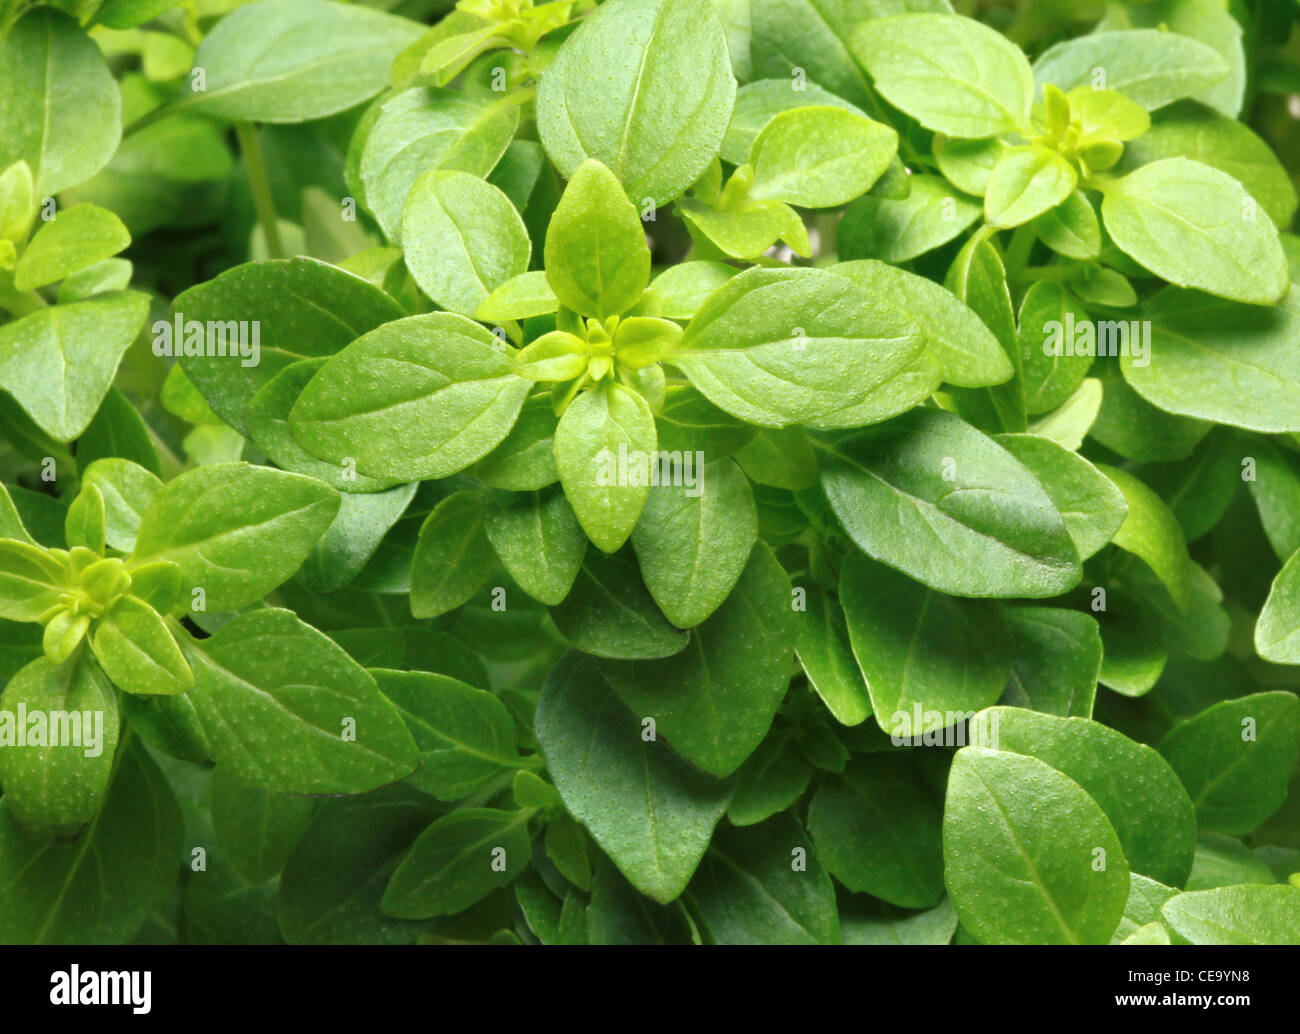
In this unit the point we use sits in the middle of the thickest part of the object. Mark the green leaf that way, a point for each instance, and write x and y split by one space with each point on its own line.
422 130
1021 847
605 449
866 921
463 239
819 157
1071 229
32 580
236 530
1197 227
465 736
256 832
280 60
138 651
877 829
1025 183
1135 787
303 309
826 657
1092 507
420 397
335 878
1236 915
57 785
929 660
693 541
528 294
1128 424
59 361
747 890
85 522
1277 633
757 103
646 88
1151 531
597 262
610 613
747 229
1051 368
931 215
452 558
772 779
74 239
1056 660
966 349
1192 131
538 540
1149 66
127 489
1235 758
62 111
714 701
776 347
287 711
680 291
953 75
354 536
53 893
525 459
1221 360
648 810
930 495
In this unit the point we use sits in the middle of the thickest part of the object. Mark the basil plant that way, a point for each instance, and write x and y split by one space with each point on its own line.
649 471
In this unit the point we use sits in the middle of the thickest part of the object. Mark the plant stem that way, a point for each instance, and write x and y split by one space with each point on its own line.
1018 250
260 184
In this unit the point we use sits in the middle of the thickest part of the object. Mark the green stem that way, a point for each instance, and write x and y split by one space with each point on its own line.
260 184
1018 250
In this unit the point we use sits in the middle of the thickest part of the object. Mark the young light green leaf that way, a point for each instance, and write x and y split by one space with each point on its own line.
597 261
75 238
420 397
646 88
138 651
953 75
57 786
1071 228
237 531
1277 633
1149 66
777 347
1025 183
59 361
757 103
1197 227
279 60
819 157
463 239
605 450
62 111
932 214
289 712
